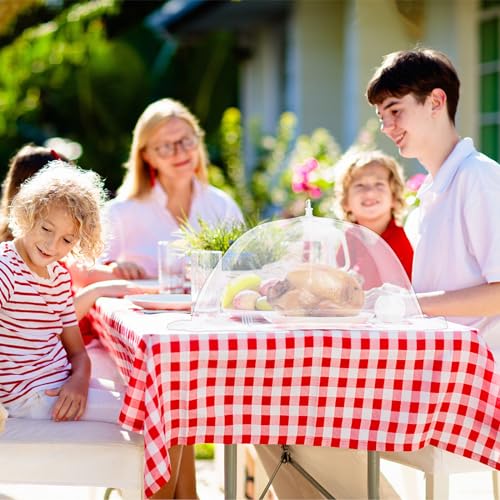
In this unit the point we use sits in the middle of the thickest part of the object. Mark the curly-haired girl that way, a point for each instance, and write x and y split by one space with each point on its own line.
44 367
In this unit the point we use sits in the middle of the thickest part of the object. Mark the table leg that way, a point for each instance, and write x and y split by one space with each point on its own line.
230 476
373 475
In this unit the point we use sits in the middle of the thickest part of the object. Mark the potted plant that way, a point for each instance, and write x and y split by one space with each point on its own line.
253 254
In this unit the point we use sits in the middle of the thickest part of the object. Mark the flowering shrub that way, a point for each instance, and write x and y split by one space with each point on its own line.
311 180
415 181
288 170
310 172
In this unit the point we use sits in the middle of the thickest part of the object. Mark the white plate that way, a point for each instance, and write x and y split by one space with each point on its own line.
152 283
279 319
163 301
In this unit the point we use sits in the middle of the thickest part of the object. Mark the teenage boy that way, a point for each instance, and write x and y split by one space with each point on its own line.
456 266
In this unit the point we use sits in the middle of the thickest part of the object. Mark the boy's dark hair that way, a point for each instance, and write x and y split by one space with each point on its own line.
418 72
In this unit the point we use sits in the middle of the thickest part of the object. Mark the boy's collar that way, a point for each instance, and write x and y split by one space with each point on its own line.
444 176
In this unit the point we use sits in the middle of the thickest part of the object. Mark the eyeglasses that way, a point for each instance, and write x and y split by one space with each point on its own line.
167 149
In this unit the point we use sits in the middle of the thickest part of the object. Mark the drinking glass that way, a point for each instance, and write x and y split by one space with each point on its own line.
171 267
202 264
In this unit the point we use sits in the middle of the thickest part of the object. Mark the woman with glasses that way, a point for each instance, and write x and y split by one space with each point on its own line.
166 184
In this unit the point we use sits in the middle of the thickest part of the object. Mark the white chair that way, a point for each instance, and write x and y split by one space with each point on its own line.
438 466
344 472
95 454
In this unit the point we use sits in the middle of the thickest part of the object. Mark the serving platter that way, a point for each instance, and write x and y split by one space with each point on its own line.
162 301
251 315
280 320
324 322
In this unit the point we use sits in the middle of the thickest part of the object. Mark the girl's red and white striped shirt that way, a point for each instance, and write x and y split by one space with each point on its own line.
33 313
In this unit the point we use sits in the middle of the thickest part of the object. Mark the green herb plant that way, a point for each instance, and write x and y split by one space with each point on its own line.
210 237
260 248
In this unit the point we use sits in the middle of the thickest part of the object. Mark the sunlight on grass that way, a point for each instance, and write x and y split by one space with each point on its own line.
204 451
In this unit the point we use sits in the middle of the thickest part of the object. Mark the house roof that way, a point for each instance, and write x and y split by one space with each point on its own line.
199 16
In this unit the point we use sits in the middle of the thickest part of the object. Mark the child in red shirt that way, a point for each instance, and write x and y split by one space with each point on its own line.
369 192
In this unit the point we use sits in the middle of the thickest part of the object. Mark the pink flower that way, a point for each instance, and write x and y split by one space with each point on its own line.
415 181
298 186
314 191
300 178
308 166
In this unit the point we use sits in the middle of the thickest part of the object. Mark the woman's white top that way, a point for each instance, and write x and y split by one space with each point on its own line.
134 226
456 230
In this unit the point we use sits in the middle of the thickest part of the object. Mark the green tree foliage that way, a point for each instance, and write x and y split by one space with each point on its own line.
90 68
255 187
281 179
231 137
63 78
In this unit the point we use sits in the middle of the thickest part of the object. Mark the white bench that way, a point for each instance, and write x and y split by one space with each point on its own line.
438 466
95 454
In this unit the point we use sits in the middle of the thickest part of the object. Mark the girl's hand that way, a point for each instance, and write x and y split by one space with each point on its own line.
71 399
85 297
119 288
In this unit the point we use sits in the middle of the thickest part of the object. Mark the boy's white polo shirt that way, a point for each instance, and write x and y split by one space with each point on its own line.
457 242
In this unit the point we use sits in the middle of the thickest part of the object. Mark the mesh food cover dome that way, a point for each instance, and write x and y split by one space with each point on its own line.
309 267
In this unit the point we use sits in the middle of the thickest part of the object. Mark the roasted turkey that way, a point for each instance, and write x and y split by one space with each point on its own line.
317 290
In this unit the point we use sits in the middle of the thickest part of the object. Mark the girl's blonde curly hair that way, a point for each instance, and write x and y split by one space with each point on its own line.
353 162
80 192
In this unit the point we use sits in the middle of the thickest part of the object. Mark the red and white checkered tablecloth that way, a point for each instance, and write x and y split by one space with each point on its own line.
362 389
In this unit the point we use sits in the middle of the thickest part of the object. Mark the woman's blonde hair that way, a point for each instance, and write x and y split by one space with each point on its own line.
60 184
137 181
351 163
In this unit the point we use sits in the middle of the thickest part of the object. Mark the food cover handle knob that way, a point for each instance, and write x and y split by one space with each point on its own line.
309 210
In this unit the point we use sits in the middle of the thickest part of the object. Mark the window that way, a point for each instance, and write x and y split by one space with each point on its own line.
489 72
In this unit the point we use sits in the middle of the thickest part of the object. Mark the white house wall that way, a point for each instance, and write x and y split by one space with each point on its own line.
331 48
452 26
373 28
261 89
315 59
261 83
